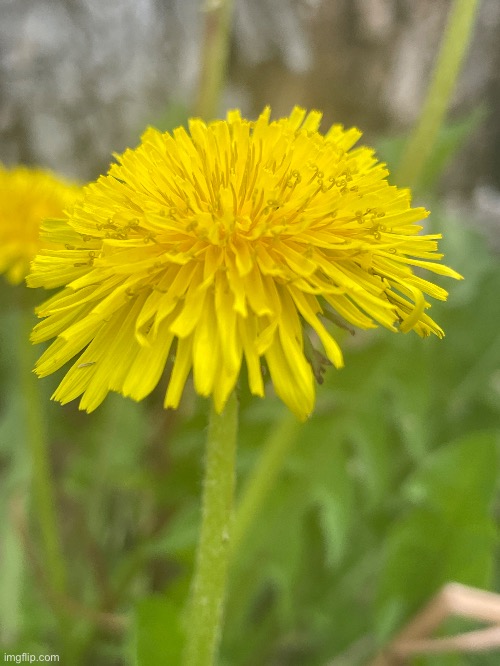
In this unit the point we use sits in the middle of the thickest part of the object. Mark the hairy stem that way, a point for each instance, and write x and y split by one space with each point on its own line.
205 611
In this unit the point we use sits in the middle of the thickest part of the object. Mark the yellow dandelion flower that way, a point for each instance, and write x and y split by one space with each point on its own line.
226 244
26 197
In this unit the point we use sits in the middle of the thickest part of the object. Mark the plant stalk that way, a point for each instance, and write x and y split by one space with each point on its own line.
206 606
456 39
43 496
214 57
44 504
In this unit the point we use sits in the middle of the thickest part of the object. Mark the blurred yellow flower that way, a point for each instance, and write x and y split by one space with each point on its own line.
227 243
26 197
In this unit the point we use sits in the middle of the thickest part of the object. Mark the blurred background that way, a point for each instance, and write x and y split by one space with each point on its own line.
391 489
80 79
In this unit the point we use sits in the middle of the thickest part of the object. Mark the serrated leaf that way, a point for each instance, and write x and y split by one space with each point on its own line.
465 469
448 535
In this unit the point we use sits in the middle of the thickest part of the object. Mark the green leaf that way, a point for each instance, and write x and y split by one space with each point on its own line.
466 469
327 483
447 535
181 533
159 634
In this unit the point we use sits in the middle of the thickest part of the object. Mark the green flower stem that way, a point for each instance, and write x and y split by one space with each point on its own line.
456 39
263 477
205 610
44 504
214 56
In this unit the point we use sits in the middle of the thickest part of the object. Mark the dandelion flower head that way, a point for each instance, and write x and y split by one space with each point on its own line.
227 244
26 197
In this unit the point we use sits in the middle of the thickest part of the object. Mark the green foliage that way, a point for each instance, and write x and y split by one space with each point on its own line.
447 532
158 624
